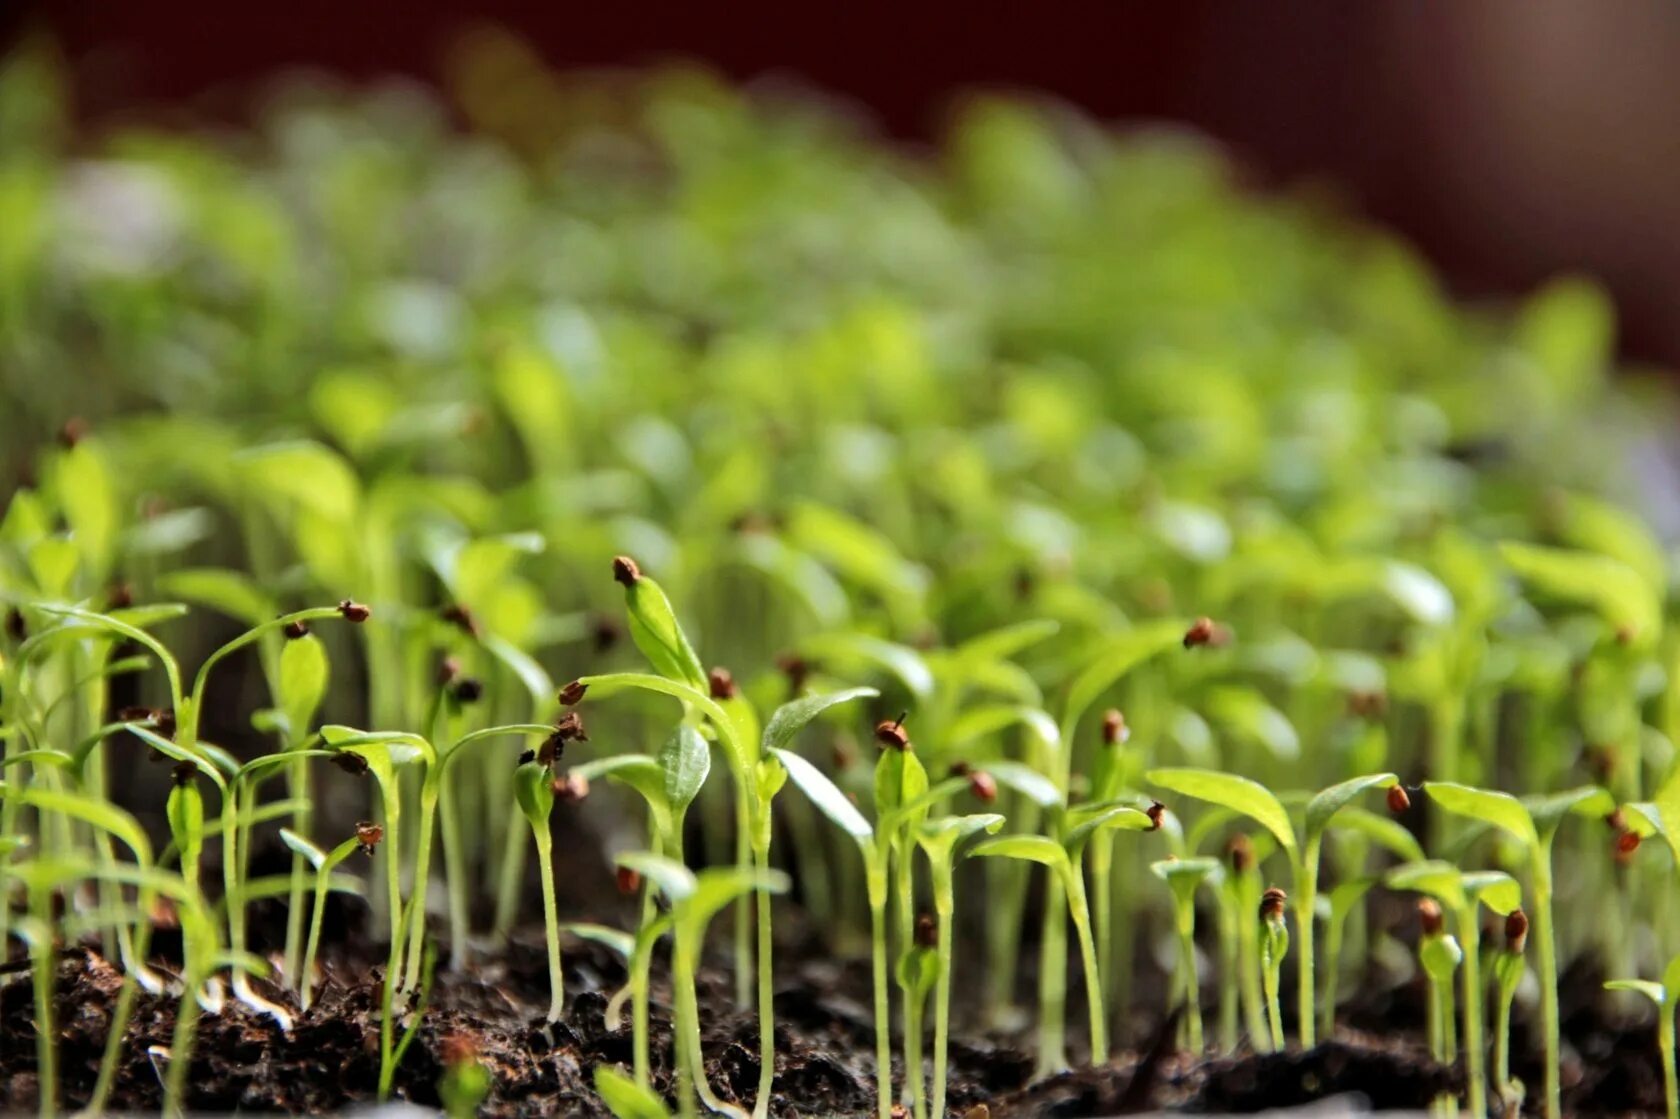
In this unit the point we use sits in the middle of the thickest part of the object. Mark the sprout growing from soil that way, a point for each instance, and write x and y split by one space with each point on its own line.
1662 997
1274 946
1183 877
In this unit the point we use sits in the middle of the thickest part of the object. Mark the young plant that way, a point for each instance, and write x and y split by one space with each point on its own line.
1253 800
1183 877
1463 893
694 899
1662 996
1534 824
323 863
1508 967
1439 955
1066 861
1274 946
534 785
939 840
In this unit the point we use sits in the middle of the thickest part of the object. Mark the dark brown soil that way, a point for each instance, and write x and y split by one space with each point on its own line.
330 1060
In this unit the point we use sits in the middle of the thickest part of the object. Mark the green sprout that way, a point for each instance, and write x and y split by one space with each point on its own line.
1183 877
1258 803
1462 893
694 899
1662 997
1274 946
1533 824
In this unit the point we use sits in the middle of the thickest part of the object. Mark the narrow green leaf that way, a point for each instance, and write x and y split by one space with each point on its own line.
1031 848
225 591
1326 804
1231 791
676 881
617 939
1499 809
625 1098
828 798
302 683
1656 992
791 718
1025 780
686 761
656 632
303 847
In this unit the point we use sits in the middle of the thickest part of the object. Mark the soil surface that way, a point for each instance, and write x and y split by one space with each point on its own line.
330 1059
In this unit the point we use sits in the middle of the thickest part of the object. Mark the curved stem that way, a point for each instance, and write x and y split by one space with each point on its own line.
422 882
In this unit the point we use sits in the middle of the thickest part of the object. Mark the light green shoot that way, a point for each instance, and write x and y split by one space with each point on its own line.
1255 801
1533 823
1662 997
1183 877
323 863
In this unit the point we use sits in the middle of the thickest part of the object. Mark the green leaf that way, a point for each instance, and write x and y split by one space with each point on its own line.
1025 780
1424 597
1383 830
685 760
988 719
1671 975
1548 811
827 797
858 552
617 939
1597 526
1088 819
791 718
1231 791
87 496
1031 848
718 886
1656 992
533 787
1244 711
1608 586
903 662
918 972
899 780
1494 889
1501 810
1435 877
625 1098
303 681
1332 800
303 847
1440 956
537 682
101 814
227 592
1005 641
304 472
940 838
656 632
676 881
1118 657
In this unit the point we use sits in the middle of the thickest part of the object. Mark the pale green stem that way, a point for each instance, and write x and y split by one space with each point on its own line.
914 1089
1229 971
306 978
743 903
1546 941
455 876
1080 911
877 880
1475 1068
1665 1045
297 772
1192 984
46 981
1306 898
551 922
422 883
944 907
766 994
1052 981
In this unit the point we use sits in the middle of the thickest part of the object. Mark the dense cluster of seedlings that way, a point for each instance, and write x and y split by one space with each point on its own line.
964 458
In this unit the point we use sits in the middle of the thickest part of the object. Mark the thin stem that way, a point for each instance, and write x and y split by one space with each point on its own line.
1475 1070
1253 997
1546 939
1665 1045
297 782
422 882
883 1012
1192 984
455 878
944 907
46 980
1228 971
905 899
743 903
551 923
766 993
1052 982
1080 911
1306 895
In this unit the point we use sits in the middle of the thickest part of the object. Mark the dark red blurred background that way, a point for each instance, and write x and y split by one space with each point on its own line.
1512 139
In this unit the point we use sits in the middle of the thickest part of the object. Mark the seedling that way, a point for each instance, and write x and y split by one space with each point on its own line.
1183 877
694 899
323 863
1255 801
1508 970
1534 825
1274 946
1662 997
1462 893
939 840
1065 860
